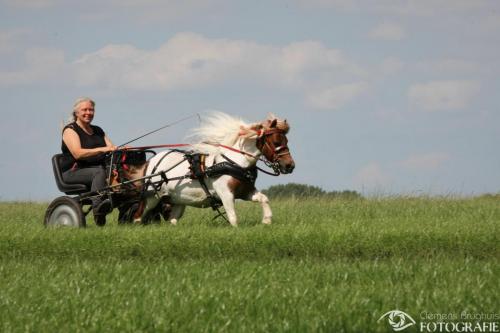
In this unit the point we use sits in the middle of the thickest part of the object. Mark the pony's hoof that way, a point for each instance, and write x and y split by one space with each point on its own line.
173 222
267 220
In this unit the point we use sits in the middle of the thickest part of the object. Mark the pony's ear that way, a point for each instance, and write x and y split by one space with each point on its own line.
273 123
284 126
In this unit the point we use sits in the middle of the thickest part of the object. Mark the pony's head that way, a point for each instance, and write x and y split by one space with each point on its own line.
270 136
273 143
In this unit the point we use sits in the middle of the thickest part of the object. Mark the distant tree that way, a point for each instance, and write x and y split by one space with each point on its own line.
306 191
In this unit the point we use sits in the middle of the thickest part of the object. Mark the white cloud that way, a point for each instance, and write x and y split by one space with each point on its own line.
335 97
371 176
387 31
442 95
300 58
191 61
185 61
429 161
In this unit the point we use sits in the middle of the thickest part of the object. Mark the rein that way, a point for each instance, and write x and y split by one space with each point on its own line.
175 145
261 141
270 165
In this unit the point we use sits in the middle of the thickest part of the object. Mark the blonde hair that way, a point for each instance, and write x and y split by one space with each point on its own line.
78 101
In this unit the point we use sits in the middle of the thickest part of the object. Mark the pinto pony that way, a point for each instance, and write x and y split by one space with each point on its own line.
220 139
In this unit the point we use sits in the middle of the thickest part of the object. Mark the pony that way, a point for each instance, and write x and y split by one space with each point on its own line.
222 140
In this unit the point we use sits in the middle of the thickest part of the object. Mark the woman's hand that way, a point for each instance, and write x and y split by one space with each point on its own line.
109 149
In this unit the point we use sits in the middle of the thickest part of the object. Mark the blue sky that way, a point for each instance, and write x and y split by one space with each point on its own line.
384 97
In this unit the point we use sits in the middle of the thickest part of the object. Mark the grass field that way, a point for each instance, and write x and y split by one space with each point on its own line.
323 265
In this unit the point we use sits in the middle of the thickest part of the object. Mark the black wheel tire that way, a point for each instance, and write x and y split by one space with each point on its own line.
64 211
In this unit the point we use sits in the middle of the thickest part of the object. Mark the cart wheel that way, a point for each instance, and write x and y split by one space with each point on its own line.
64 211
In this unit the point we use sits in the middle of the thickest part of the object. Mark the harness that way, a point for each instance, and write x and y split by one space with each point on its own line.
198 169
198 172
201 172
229 167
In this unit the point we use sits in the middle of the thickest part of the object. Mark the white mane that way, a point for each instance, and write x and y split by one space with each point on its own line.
217 127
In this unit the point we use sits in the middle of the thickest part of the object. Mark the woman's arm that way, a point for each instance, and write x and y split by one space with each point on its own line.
109 143
72 141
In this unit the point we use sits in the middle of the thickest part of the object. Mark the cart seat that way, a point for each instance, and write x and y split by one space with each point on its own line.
61 185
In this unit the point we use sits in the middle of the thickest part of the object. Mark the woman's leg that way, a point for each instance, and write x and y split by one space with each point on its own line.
94 177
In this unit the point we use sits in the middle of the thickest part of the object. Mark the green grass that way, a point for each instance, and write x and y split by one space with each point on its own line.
324 265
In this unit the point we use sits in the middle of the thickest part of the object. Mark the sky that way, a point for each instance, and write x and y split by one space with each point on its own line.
383 96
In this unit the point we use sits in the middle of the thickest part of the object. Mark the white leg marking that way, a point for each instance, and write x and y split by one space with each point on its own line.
266 209
176 213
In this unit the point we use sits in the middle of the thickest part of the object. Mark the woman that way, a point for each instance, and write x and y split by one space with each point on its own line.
84 147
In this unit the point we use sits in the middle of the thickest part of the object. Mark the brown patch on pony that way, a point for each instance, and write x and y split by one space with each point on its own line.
139 211
126 192
136 171
130 172
240 189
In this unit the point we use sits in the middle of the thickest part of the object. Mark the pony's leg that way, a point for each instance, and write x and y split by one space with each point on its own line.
139 211
226 195
176 213
151 203
227 198
264 202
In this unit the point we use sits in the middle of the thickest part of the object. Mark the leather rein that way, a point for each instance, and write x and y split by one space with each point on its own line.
262 143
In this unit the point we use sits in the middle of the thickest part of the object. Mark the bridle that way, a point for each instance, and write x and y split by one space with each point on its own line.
277 152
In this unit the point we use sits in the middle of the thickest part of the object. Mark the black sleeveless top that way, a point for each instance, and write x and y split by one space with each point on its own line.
87 141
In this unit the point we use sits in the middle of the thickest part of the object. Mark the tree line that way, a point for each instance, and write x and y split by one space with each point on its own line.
293 190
